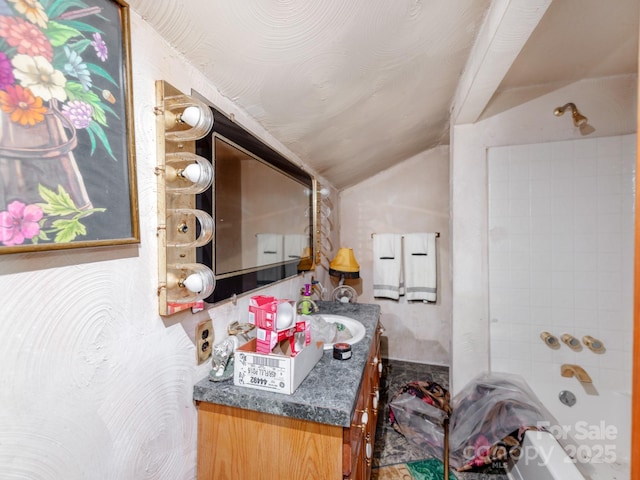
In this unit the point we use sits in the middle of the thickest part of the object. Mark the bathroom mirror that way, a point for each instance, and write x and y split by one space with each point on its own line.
262 206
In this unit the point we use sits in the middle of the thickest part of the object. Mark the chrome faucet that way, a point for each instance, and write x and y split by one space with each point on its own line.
568 370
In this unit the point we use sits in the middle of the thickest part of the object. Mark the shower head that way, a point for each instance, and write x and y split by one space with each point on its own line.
578 119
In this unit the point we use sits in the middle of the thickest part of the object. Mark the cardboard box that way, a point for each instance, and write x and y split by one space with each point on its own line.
266 340
299 336
274 372
263 311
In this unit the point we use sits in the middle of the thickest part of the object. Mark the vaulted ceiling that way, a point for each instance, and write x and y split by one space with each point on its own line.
356 87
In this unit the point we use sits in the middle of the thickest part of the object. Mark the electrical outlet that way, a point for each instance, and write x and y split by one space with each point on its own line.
204 340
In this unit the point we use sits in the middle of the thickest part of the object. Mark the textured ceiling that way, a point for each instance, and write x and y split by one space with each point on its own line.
356 87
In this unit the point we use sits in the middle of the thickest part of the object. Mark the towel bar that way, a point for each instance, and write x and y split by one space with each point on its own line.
437 234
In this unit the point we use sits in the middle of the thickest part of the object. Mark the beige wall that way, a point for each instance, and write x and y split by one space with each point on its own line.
411 197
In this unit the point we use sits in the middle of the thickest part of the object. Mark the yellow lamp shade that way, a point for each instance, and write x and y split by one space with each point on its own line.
344 264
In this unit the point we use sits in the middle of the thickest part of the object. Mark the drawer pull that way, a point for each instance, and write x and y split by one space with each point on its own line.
365 418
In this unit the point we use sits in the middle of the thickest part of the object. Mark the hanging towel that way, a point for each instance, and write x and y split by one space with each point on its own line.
420 266
387 265
294 246
270 248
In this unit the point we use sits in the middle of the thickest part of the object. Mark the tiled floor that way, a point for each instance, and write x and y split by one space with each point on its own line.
392 448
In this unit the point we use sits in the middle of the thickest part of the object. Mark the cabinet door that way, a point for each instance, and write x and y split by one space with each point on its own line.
236 444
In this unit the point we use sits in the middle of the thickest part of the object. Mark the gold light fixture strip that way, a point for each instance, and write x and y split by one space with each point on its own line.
181 174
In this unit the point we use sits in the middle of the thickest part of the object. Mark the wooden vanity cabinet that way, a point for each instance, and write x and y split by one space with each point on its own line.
235 443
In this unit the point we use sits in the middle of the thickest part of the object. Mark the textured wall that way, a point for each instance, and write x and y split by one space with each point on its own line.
95 385
410 197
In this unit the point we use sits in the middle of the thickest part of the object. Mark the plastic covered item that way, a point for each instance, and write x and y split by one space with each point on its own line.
321 330
418 412
490 416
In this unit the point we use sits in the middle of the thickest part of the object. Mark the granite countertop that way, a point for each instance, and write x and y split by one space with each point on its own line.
328 395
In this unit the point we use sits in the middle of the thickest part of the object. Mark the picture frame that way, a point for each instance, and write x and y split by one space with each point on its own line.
67 149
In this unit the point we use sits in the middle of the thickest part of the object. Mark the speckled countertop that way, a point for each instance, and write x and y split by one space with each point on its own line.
328 394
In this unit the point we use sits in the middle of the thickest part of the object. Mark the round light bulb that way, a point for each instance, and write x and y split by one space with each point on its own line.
192 172
188 173
284 315
191 116
194 283
189 282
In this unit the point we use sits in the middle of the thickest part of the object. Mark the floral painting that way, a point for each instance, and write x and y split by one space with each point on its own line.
67 174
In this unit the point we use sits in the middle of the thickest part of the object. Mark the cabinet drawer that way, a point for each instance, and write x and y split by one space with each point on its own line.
359 438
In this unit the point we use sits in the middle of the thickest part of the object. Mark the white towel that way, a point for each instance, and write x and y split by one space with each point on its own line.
270 248
387 265
420 266
294 246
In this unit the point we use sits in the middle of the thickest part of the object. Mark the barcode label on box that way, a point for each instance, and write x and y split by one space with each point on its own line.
266 362
262 372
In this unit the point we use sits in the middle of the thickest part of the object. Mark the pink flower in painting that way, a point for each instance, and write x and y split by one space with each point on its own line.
25 37
100 47
19 222
78 112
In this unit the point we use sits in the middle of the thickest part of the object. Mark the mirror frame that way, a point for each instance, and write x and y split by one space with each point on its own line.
247 279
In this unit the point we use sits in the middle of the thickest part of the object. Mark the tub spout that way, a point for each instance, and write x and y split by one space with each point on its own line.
577 371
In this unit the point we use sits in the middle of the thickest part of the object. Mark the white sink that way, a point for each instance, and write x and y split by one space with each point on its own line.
354 326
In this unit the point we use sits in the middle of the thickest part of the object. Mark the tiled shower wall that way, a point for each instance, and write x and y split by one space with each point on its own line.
561 223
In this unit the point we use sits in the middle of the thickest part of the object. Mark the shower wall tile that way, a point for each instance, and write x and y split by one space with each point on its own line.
561 220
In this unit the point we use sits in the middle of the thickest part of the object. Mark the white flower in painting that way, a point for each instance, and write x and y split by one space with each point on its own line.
33 11
39 76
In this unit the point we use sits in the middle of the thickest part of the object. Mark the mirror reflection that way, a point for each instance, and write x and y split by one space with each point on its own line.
261 217
262 208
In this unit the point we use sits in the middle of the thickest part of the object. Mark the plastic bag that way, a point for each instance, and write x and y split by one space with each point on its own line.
418 412
321 330
490 416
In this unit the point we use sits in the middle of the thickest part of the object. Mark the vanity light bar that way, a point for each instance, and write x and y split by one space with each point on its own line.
180 120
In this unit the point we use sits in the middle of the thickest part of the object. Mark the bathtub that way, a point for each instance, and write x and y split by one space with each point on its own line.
591 439
542 458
